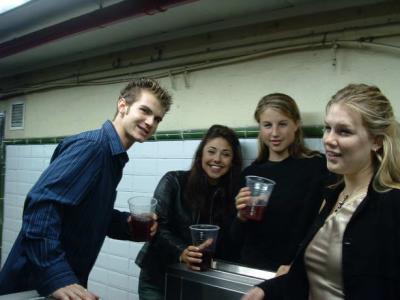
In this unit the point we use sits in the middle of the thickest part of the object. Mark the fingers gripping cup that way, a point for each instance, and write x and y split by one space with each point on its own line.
205 237
261 189
142 209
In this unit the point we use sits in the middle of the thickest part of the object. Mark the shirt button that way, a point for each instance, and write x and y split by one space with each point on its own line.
347 242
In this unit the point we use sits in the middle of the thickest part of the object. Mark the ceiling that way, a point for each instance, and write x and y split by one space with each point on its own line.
45 33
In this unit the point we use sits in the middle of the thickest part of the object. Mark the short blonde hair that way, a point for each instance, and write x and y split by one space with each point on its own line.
132 91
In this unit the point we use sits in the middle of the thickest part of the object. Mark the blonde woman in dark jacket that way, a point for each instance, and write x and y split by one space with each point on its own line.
352 251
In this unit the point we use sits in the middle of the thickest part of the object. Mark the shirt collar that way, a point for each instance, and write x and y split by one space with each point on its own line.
113 139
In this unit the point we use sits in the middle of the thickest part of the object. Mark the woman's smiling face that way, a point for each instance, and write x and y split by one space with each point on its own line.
216 158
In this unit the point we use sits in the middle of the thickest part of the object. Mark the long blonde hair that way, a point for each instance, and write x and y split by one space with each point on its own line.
378 118
287 106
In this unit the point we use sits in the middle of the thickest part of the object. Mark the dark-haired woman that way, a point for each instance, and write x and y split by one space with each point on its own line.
201 195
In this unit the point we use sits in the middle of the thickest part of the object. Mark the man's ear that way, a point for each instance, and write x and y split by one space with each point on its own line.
122 106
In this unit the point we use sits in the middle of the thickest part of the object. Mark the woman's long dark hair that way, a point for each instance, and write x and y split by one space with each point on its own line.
198 188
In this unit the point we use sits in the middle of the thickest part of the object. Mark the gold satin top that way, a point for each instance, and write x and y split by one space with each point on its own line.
323 255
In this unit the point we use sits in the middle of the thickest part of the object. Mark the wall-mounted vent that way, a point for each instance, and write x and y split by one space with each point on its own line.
17 115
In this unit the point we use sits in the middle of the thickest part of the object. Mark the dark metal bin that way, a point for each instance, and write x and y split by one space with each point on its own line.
223 281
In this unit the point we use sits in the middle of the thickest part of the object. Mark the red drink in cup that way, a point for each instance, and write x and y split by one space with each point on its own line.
205 234
261 189
140 226
254 212
206 260
142 209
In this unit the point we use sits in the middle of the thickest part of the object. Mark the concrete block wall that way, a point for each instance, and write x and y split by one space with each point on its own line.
115 275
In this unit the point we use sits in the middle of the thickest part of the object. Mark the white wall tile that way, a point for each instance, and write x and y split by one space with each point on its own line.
11 175
98 289
170 149
134 269
115 293
144 150
12 212
121 203
9 235
117 280
11 162
133 282
24 151
38 152
117 247
23 188
102 260
144 166
13 224
11 151
126 184
189 148
187 164
315 144
5 250
48 150
169 164
118 264
99 275
11 187
249 148
14 199
132 296
30 177
145 184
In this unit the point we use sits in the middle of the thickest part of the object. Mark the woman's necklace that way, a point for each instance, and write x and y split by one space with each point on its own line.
349 197
341 202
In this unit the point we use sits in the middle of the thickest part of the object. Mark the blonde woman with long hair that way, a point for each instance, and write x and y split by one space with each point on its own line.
299 175
352 252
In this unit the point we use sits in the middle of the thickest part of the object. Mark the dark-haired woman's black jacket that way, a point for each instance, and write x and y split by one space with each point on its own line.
174 219
371 252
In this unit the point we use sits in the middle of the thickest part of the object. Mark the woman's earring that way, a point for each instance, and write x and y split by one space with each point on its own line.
377 154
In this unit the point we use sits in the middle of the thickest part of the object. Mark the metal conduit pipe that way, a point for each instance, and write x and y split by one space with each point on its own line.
168 71
175 61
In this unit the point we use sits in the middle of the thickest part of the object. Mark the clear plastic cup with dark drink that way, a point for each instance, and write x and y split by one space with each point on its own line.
205 236
142 209
261 189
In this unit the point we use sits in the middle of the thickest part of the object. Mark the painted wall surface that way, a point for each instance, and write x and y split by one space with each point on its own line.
226 94
115 275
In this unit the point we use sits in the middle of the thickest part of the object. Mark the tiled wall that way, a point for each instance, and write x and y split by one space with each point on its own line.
115 275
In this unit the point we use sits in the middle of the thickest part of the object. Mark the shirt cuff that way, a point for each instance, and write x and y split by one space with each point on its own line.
56 277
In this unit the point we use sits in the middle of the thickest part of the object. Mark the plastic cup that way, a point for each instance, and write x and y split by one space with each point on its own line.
200 234
261 189
142 209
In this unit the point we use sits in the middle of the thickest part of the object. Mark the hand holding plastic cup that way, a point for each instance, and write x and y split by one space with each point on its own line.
142 209
261 189
205 236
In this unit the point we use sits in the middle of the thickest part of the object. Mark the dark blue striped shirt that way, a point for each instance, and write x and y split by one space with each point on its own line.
68 213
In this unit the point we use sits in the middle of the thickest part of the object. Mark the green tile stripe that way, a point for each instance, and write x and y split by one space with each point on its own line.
193 134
